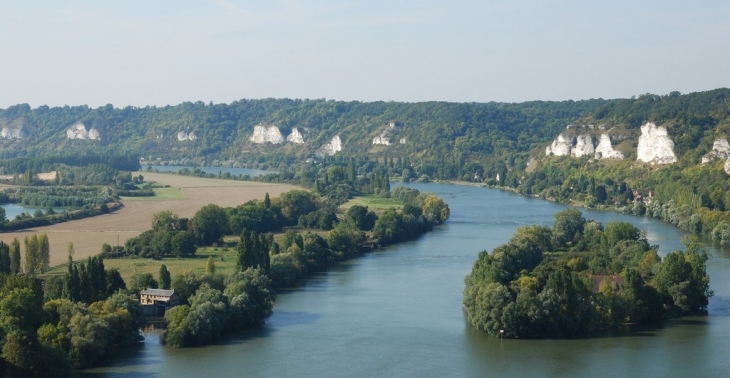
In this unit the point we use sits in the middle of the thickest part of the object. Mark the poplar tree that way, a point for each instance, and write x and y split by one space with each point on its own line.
32 255
44 253
4 258
164 277
15 256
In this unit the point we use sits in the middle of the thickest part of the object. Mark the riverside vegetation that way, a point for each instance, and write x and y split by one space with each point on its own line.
79 318
580 277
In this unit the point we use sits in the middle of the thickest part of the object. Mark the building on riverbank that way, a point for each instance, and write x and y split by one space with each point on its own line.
156 301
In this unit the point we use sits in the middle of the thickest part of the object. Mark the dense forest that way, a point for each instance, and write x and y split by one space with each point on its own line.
580 277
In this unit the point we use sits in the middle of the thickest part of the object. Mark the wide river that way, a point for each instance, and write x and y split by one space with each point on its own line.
397 313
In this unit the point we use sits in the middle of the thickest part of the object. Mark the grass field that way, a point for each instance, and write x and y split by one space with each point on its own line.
375 203
224 258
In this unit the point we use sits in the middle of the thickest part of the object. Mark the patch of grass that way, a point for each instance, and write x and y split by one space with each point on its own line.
161 194
224 258
375 203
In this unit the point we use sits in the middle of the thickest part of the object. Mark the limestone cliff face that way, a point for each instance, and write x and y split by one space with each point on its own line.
583 146
263 134
184 136
78 131
295 136
720 150
383 139
605 149
333 147
94 134
727 166
13 133
561 146
655 145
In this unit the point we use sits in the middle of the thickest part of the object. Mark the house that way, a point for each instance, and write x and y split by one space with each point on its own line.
157 301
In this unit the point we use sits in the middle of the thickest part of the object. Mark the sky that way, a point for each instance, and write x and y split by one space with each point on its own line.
139 53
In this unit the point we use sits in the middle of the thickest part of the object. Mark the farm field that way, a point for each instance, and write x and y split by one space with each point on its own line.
89 234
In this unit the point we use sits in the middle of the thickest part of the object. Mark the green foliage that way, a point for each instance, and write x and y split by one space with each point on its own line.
607 277
253 250
142 281
209 224
165 279
246 301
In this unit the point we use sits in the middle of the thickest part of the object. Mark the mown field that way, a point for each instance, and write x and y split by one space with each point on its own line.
375 203
89 234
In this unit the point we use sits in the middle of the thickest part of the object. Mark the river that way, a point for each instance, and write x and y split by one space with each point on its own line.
397 313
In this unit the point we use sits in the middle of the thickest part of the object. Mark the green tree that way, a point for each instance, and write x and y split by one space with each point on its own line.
142 281
5 263
15 262
165 279
568 226
363 219
183 244
44 252
209 224
210 266
165 221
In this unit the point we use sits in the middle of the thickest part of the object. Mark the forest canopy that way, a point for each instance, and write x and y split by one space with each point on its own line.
580 277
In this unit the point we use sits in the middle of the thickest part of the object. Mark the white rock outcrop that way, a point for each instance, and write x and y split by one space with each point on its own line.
94 134
381 140
720 150
727 166
655 145
605 150
583 146
184 135
264 134
78 131
13 133
333 147
561 146
295 136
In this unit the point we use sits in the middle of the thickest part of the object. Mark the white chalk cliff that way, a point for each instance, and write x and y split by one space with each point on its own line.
561 146
13 133
295 136
183 136
727 166
333 147
263 134
605 150
381 140
655 145
78 131
583 146
720 150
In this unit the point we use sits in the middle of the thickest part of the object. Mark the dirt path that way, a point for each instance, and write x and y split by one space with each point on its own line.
89 234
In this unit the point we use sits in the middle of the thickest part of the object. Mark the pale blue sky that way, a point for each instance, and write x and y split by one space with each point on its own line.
166 52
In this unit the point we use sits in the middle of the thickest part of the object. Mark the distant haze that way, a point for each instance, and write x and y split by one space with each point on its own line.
165 52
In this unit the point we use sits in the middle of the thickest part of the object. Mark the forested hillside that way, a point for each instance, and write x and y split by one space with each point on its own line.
445 135
543 149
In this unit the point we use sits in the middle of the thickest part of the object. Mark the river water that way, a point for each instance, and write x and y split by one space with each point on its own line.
397 313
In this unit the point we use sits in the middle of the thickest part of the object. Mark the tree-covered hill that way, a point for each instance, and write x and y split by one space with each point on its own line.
452 134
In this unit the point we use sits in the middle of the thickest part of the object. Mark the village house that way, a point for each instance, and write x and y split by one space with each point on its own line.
157 301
